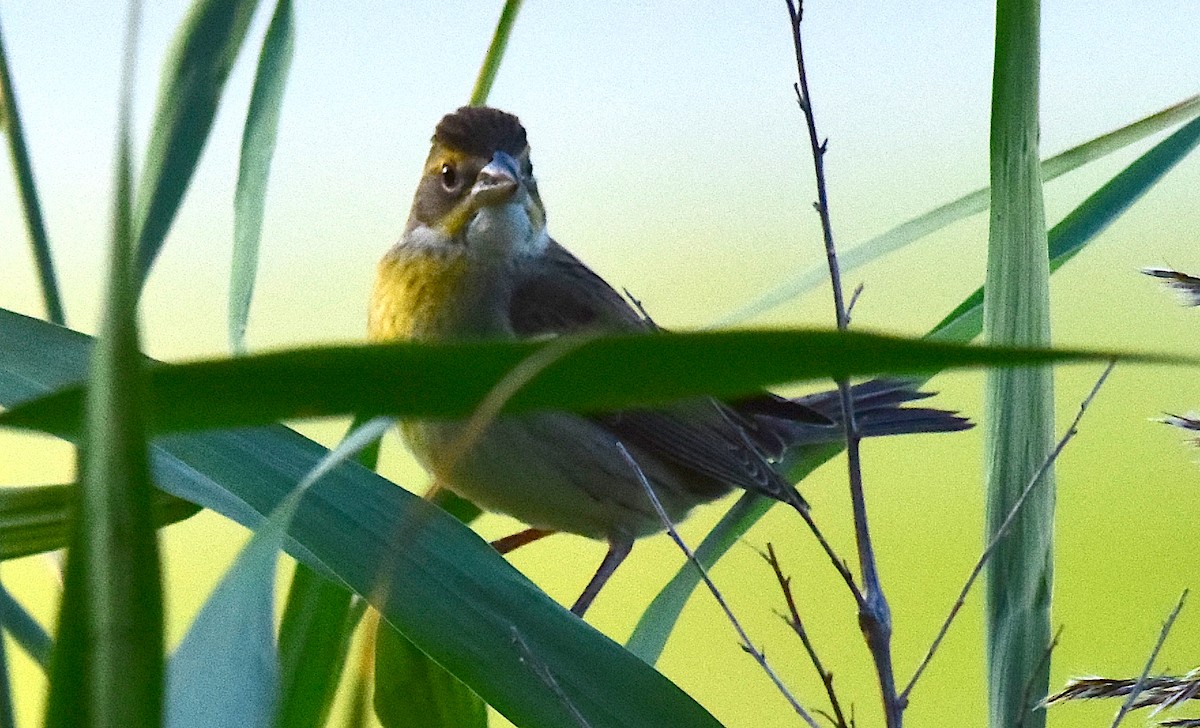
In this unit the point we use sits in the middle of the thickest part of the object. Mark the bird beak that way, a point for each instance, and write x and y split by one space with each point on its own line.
498 181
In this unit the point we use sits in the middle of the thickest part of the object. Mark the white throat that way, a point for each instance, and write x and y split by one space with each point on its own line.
507 230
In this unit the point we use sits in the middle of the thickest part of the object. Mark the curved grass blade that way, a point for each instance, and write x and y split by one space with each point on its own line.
6 702
315 634
35 225
226 670
193 78
495 53
36 519
1067 239
314 640
412 691
258 146
345 530
107 666
961 208
25 630
1085 222
448 380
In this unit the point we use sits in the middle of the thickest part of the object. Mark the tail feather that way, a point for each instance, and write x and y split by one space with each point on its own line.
878 410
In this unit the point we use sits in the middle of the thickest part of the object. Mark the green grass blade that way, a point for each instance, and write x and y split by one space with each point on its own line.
1085 222
1067 239
1019 403
314 639
193 78
226 671
36 519
258 146
107 666
345 529
449 380
6 699
35 225
25 630
412 691
495 53
963 207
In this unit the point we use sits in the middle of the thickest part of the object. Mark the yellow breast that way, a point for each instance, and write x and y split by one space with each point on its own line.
414 291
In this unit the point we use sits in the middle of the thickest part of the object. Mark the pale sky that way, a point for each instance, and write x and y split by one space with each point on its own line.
665 136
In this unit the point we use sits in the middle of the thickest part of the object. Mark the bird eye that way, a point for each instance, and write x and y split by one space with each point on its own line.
449 177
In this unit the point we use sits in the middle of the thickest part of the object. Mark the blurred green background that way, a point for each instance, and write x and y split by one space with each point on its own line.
671 158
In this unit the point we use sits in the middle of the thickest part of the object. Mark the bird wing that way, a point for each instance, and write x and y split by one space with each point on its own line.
556 293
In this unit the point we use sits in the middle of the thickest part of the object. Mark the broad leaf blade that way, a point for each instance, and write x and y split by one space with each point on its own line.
410 688
412 691
258 146
193 78
448 380
346 529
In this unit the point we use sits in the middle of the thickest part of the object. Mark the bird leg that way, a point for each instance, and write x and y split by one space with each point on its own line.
519 539
617 551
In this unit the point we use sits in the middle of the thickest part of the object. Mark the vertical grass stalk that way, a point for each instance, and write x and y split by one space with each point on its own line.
495 53
35 226
107 665
1019 416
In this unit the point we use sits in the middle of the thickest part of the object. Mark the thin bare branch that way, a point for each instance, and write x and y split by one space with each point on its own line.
1002 531
874 614
853 300
792 618
746 644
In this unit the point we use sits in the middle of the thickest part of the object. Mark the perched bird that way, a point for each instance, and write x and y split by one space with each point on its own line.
475 262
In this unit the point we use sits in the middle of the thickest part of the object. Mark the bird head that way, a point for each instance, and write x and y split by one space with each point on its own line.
477 187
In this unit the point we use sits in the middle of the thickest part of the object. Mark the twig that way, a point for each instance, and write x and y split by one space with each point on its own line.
874 614
1141 681
853 300
543 673
1033 677
838 563
746 645
793 620
1002 531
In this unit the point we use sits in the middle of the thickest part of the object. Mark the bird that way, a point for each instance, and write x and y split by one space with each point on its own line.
475 261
